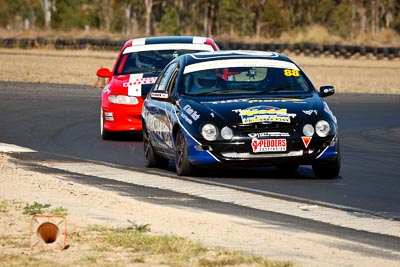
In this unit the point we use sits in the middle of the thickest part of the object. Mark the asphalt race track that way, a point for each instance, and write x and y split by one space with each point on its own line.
64 119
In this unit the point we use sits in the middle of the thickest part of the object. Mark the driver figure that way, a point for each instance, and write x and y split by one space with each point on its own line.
204 80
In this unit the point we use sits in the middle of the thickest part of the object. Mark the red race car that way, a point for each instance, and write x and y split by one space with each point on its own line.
137 67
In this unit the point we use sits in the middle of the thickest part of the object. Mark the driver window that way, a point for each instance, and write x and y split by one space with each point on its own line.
172 80
162 81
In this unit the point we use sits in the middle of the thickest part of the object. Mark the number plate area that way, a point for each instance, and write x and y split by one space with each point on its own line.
268 145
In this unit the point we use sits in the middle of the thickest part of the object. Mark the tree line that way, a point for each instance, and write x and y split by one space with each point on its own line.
258 19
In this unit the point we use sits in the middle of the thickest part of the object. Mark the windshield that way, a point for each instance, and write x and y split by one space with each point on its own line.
147 61
245 80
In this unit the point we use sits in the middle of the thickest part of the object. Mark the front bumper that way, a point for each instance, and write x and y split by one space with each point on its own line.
122 119
239 152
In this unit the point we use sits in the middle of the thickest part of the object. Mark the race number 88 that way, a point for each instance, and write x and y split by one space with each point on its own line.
291 72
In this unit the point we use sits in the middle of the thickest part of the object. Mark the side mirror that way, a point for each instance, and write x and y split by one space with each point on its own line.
326 90
104 73
160 95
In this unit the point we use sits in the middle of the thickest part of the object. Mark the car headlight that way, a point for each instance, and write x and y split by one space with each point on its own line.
226 133
209 132
308 130
322 128
123 99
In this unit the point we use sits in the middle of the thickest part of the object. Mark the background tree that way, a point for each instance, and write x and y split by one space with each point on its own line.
21 14
132 10
347 19
274 21
48 6
228 17
169 23
69 15
340 21
148 9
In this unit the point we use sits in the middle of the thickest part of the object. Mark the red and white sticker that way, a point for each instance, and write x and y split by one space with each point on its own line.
306 140
135 83
268 145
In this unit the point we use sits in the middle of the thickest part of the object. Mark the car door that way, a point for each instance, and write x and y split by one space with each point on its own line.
159 110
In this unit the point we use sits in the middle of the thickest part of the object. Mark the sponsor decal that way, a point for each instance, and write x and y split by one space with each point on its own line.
264 114
233 63
186 118
106 89
191 112
135 83
311 111
268 134
227 101
306 140
158 127
268 145
295 100
159 95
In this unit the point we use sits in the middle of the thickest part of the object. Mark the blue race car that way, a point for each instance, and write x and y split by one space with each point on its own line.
239 108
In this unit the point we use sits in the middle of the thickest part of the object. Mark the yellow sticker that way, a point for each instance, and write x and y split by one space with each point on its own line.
288 72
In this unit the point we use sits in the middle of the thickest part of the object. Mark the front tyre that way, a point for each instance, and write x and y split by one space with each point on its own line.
327 170
183 166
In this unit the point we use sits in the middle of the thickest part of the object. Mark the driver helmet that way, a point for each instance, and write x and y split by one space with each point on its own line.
145 59
205 79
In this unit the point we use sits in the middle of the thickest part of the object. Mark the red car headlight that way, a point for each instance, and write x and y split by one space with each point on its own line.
123 99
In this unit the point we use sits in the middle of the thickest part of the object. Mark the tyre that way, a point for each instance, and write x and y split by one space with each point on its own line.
151 159
183 166
327 170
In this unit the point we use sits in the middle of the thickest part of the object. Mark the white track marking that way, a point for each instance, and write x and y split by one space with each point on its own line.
10 148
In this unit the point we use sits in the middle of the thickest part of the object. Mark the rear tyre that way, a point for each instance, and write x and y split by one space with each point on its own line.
183 166
327 170
151 159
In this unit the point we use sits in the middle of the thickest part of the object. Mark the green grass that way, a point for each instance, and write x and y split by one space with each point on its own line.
59 211
168 250
38 208
140 228
35 208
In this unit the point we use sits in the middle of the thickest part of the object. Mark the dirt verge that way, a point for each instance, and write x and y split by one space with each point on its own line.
89 206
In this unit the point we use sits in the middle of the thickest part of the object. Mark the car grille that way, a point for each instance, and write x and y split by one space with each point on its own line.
244 155
244 129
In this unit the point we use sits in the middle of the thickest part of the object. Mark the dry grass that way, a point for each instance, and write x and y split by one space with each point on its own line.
55 34
79 67
314 34
353 75
53 66
108 246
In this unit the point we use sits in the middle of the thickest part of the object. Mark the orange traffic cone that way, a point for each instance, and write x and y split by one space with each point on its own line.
48 232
